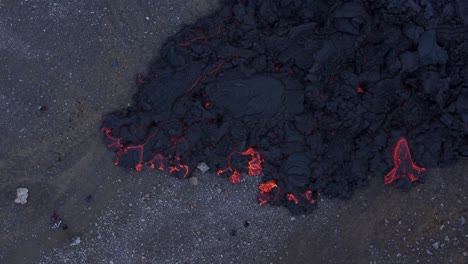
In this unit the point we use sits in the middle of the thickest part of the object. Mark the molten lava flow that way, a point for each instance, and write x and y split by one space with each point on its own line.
115 141
179 167
291 197
265 188
255 163
404 165
139 167
308 196
158 162
235 177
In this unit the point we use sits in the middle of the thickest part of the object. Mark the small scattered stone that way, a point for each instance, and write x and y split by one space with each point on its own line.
398 255
148 196
234 232
203 167
194 181
428 252
75 241
462 220
446 238
436 245
21 195
441 227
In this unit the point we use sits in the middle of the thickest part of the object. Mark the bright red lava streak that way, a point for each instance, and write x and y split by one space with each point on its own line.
308 196
158 162
235 177
124 150
291 197
265 188
204 38
255 163
178 167
404 165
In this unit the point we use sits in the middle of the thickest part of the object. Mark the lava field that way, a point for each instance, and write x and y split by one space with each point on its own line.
314 96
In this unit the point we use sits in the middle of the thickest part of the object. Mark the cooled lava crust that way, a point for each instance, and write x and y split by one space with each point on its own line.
315 97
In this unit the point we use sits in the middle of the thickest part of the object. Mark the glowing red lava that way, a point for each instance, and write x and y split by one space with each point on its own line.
116 141
158 161
255 163
308 196
235 177
265 188
404 165
179 167
291 197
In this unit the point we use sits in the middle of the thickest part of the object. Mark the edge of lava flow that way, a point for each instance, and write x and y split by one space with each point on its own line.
312 97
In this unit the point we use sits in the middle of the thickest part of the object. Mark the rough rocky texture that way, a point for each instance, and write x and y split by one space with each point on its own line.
314 94
83 66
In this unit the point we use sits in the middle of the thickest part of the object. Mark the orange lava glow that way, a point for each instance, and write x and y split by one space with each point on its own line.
235 177
158 162
255 163
178 167
267 186
139 167
291 197
404 165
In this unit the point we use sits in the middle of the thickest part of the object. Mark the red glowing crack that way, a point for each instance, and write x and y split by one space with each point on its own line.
115 141
291 197
308 196
204 38
158 162
179 167
404 165
235 177
123 150
254 165
265 188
